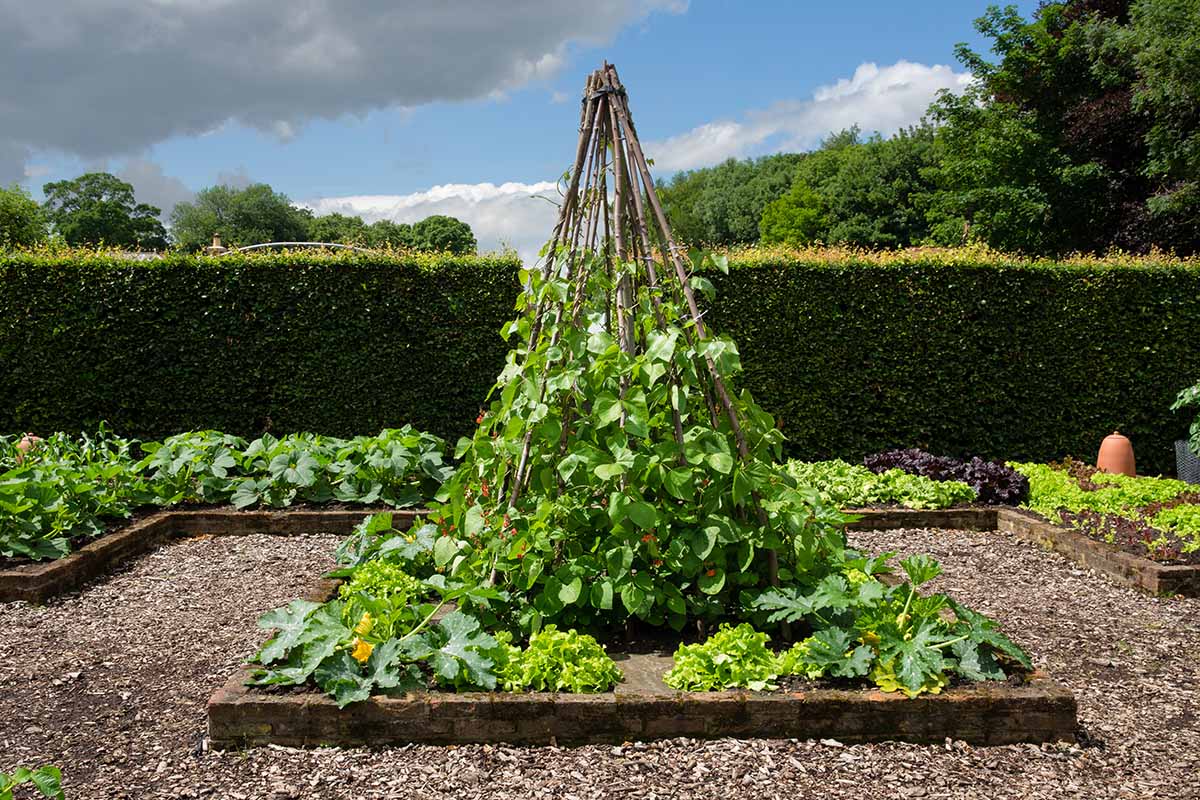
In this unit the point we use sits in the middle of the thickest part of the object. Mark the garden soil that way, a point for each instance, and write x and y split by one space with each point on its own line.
111 683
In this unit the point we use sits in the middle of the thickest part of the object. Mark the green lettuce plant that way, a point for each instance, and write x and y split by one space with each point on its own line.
559 661
735 657
850 485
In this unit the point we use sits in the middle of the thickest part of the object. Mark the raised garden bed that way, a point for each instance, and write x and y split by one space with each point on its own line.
643 708
1121 566
1109 559
38 582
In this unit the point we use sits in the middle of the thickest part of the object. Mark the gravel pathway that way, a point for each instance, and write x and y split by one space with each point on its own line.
111 684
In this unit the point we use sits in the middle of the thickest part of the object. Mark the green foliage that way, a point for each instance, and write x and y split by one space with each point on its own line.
443 234
899 638
385 233
338 228
64 488
853 352
1184 522
382 580
197 466
722 205
795 219
398 467
1190 398
317 641
559 661
861 627
67 488
1139 510
735 657
851 486
46 779
252 215
866 193
1053 490
876 198
1164 39
339 343
1078 136
638 506
22 223
99 208
962 352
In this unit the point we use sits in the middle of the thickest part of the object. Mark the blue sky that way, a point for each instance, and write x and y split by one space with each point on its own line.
388 100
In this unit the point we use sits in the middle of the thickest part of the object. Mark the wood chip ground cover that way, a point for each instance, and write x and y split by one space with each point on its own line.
111 683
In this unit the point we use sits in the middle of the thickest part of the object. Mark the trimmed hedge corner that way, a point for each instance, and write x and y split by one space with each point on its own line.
961 353
339 344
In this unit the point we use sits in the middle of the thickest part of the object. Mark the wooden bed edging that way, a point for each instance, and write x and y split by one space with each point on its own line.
643 709
969 518
38 582
1125 568
1108 559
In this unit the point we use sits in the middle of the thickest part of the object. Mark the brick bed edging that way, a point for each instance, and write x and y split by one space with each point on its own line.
1125 568
969 518
38 582
980 714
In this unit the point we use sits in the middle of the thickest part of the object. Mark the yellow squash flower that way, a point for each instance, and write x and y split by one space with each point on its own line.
362 650
365 624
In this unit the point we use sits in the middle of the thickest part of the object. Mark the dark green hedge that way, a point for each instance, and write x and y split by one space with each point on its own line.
1002 359
1020 361
341 345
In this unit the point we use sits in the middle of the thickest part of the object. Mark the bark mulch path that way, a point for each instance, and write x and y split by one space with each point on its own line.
110 684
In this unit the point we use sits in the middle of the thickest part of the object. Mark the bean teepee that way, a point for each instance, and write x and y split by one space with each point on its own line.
616 472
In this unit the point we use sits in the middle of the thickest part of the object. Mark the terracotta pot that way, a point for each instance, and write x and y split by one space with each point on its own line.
25 445
1116 455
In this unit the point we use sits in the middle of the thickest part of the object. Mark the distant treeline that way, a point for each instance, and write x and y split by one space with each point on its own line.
1084 136
98 208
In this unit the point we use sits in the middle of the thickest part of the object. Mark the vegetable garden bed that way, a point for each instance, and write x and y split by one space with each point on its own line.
1108 559
643 708
39 581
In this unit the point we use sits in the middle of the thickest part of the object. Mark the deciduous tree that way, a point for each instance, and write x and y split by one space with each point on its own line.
99 208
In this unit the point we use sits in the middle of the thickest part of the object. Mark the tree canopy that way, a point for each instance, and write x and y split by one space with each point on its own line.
1082 134
99 208
22 223
252 215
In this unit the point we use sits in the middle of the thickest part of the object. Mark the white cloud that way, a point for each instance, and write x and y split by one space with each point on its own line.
875 98
151 185
105 78
517 215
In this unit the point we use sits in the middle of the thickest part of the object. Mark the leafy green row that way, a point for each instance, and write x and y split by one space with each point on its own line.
1057 494
66 488
383 633
861 628
398 467
1053 489
390 631
851 485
